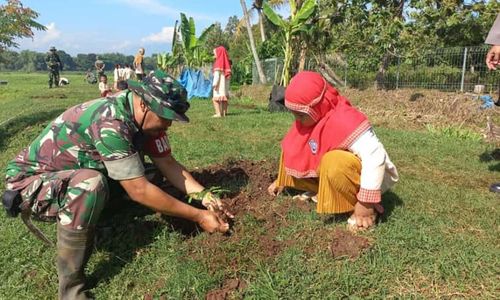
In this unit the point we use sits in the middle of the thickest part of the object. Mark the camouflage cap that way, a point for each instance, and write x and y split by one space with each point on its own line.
161 93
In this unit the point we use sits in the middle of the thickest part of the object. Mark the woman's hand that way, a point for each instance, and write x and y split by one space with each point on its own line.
274 189
364 216
210 222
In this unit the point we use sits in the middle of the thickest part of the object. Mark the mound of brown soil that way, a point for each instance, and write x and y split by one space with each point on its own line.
256 229
416 108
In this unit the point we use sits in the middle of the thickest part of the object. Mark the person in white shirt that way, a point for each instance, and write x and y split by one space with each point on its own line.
117 75
332 152
127 72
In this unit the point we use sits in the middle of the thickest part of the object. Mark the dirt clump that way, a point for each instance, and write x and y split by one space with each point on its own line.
346 244
228 288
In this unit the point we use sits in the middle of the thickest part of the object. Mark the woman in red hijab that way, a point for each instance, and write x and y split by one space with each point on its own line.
332 153
221 81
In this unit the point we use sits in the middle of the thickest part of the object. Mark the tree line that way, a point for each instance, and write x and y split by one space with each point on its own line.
32 61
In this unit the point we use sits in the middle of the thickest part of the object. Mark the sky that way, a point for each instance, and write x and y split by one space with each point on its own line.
123 26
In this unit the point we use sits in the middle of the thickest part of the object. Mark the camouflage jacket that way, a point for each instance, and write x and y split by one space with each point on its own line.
93 135
53 62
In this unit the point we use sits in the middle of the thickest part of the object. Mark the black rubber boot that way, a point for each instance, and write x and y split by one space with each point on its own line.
74 248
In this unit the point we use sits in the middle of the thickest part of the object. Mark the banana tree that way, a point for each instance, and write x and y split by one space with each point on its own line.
298 22
194 55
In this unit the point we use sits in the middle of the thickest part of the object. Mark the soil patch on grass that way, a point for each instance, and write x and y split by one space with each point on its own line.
346 244
407 108
418 108
260 229
228 288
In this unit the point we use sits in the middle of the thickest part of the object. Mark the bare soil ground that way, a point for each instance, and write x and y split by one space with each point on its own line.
256 229
409 108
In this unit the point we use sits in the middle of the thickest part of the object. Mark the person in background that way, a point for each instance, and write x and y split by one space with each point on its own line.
127 72
117 76
139 64
492 62
103 86
331 152
99 66
221 82
54 65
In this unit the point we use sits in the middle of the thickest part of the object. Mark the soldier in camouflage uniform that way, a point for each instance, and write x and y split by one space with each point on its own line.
53 65
64 173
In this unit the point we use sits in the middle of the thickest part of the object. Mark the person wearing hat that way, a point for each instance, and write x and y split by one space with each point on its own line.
64 174
53 65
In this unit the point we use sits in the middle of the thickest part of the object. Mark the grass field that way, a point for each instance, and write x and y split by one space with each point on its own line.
439 238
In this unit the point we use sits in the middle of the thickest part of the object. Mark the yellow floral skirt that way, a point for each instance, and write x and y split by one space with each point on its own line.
338 183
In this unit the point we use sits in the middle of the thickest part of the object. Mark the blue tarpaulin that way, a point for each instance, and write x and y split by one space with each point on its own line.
195 83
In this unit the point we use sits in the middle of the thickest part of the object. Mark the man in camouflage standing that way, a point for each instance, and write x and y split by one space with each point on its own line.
54 65
64 173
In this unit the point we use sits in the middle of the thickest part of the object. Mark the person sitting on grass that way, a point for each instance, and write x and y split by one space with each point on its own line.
332 152
64 175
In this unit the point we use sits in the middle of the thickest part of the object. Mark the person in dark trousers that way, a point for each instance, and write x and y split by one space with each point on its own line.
492 62
64 174
53 65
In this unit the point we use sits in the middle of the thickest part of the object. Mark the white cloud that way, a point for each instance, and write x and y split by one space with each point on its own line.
164 36
119 47
51 34
150 6
157 8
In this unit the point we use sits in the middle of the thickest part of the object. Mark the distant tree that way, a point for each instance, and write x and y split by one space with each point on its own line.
16 21
216 37
253 48
32 61
9 61
85 62
66 60
231 26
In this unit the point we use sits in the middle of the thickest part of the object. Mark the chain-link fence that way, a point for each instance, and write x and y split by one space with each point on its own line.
447 69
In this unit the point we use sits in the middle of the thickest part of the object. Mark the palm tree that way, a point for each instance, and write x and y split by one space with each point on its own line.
258 6
260 71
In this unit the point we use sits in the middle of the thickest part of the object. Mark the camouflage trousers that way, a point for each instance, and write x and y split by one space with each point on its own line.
75 198
53 77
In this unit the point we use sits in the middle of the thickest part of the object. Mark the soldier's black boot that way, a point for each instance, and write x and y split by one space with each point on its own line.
74 248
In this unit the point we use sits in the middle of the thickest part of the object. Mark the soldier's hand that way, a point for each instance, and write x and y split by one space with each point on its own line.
210 222
212 202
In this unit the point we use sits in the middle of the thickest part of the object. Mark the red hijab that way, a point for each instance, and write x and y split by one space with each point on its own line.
222 61
338 124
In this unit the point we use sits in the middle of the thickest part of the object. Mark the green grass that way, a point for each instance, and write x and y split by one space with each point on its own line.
440 238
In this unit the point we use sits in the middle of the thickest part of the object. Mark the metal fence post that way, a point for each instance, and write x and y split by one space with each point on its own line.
345 75
463 70
397 74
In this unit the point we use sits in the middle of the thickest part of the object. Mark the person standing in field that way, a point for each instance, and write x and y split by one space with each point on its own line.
53 65
221 82
492 61
117 75
99 67
127 72
331 152
139 64
63 175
